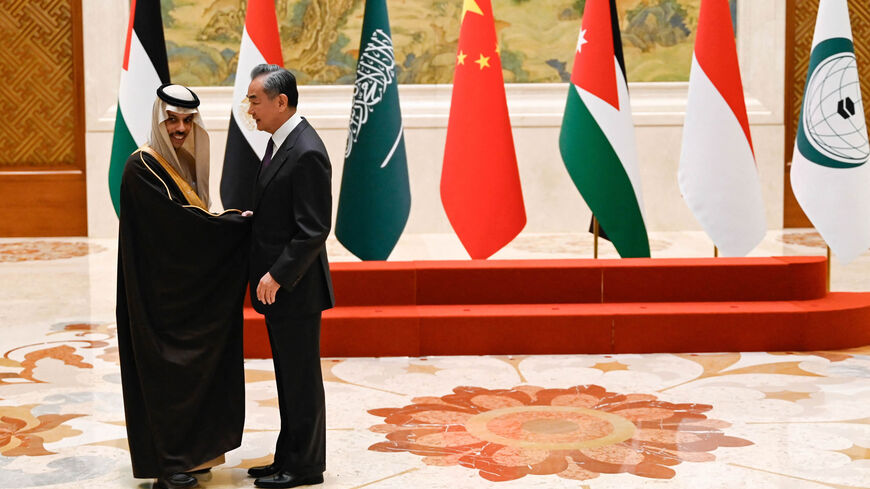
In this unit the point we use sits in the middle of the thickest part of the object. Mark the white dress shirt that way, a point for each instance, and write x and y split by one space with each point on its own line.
282 132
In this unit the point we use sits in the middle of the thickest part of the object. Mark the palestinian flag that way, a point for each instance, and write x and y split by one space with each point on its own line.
597 137
145 69
245 144
375 197
718 176
480 181
829 172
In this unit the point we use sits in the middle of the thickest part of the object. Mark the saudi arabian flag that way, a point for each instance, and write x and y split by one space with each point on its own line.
597 138
145 68
375 197
829 173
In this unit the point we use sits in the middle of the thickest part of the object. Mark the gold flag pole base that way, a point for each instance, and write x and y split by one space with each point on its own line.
595 239
715 251
828 278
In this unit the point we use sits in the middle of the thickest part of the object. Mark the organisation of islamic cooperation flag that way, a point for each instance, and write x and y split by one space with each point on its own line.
597 137
829 173
718 176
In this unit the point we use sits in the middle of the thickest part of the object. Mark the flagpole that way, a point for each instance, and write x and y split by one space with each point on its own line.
595 239
828 278
715 251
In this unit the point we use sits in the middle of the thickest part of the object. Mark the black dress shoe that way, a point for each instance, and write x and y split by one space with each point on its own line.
283 480
263 470
176 481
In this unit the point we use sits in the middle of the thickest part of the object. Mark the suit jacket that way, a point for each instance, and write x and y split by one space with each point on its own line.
292 204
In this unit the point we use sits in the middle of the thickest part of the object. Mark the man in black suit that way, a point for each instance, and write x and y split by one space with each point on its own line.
292 205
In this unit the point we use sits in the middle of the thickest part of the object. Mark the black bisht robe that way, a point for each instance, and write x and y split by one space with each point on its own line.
181 284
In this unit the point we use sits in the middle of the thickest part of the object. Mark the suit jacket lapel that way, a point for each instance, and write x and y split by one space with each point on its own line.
264 176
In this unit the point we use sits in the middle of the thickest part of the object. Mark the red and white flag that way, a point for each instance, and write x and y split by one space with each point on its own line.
245 144
718 174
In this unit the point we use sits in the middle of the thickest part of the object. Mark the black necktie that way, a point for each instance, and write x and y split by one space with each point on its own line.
267 158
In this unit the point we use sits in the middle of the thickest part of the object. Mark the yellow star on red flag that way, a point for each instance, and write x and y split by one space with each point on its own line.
483 61
480 186
470 6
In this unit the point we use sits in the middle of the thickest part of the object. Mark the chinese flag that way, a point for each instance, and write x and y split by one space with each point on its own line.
480 183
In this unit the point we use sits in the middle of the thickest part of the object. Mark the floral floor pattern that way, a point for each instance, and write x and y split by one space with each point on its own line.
711 420
757 420
577 433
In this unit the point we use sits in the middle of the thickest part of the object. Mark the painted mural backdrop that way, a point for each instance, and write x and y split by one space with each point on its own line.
320 38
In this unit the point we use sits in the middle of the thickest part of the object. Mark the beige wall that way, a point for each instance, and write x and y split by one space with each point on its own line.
552 202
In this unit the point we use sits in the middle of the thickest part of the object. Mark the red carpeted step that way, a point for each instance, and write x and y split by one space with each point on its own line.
716 279
838 321
581 306
573 281
255 337
374 283
578 281
508 282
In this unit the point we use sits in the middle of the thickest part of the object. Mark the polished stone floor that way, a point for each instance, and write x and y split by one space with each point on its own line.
753 420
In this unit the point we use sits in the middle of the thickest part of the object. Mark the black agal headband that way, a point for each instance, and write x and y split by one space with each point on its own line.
178 102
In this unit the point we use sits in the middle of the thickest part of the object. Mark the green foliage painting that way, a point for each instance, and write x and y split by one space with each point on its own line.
320 38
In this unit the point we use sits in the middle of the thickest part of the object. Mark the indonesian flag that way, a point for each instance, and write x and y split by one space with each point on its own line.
718 175
829 172
597 137
245 144
145 68
480 182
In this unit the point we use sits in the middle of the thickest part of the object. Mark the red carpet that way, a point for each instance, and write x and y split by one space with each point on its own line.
582 306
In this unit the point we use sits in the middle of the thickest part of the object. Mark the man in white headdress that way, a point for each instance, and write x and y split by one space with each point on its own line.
181 285
178 137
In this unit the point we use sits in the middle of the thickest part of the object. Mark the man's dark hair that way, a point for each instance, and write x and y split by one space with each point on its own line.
277 80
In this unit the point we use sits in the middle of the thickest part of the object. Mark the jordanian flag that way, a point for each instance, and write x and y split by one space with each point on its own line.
145 69
245 144
375 197
597 137
829 173
718 177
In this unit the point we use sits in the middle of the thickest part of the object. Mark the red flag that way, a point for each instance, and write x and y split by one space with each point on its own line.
480 182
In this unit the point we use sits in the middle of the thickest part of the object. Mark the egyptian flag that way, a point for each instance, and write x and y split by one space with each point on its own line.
145 69
718 176
480 182
829 172
245 144
597 137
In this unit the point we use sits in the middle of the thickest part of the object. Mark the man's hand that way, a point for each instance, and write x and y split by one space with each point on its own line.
267 288
247 213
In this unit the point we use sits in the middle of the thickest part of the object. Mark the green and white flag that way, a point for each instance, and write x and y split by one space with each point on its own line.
145 68
829 173
375 197
597 137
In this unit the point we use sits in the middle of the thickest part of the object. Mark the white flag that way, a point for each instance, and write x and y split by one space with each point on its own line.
829 174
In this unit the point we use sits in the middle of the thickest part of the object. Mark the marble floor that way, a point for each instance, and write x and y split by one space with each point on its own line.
755 420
